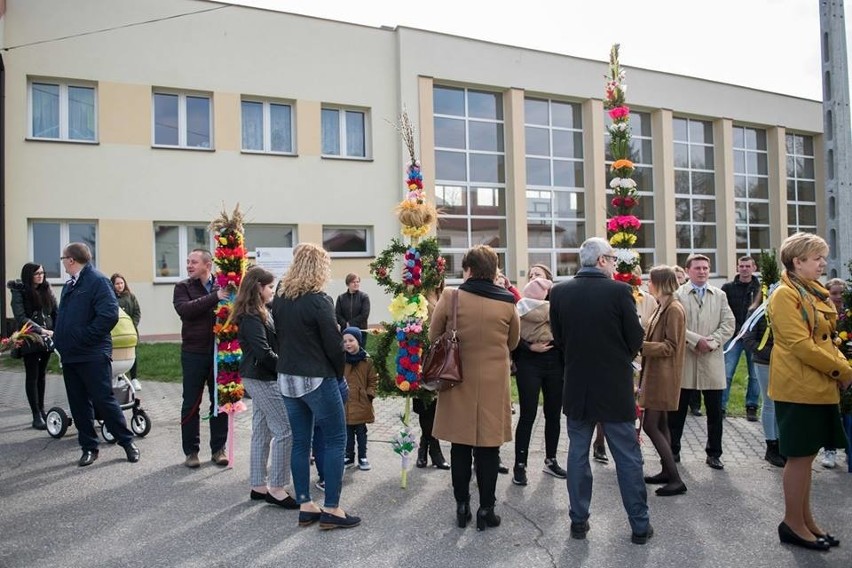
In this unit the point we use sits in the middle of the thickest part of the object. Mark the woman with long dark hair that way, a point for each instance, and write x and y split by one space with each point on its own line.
33 302
127 301
258 370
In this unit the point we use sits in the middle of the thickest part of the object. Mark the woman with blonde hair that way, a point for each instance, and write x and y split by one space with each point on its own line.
662 367
805 371
310 361
269 423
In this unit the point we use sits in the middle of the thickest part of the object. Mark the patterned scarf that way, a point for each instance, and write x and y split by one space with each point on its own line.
808 291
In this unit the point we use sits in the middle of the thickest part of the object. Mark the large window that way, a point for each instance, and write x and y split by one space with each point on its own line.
556 200
48 239
801 184
344 132
751 190
695 189
61 110
182 120
348 241
641 155
268 236
267 127
172 244
470 184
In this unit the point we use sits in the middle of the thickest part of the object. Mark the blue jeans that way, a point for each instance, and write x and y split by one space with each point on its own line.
324 407
767 413
732 359
624 446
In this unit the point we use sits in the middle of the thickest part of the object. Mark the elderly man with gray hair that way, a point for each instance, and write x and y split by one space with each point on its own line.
595 325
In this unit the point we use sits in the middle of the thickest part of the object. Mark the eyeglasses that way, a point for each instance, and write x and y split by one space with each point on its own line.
610 257
39 273
64 258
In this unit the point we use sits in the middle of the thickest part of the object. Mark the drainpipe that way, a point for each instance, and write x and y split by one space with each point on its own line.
3 324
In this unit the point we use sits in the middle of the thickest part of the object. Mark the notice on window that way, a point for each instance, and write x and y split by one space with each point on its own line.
275 260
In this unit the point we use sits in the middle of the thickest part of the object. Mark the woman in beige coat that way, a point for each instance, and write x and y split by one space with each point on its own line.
662 367
475 416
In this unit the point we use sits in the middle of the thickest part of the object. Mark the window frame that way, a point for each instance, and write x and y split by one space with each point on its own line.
793 225
341 125
251 253
64 127
370 242
182 125
183 248
748 175
64 239
267 125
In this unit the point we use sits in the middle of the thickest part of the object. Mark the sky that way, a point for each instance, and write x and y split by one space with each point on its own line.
771 45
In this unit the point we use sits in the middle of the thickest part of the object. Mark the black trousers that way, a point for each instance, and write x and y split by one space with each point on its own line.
35 366
539 373
713 405
89 388
197 374
487 462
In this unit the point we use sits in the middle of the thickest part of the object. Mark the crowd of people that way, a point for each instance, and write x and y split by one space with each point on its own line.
591 348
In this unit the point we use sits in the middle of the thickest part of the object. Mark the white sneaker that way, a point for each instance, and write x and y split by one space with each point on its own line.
829 459
137 386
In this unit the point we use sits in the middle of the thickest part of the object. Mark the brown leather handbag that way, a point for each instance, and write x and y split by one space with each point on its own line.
442 368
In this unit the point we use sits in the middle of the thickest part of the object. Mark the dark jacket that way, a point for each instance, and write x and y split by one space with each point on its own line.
130 305
352 309
309 341
740 297
195 306
595 326
87 313
752 339
258 343
24 310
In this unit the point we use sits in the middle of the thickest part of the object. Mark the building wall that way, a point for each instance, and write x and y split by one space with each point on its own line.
125 185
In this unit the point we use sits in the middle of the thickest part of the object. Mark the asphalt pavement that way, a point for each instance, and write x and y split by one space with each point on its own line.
159 513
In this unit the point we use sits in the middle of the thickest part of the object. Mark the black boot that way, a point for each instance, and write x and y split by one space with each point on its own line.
422 452
463 515
773 455
485 517
436 454
38 422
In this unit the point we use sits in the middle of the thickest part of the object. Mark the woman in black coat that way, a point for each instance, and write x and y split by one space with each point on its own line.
33 302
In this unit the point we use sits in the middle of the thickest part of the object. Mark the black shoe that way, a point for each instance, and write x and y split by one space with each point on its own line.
422 453
669 490
519 474
329 521
658 479
307 518
714 462
502 469
485 517
88 458
463 514
676 457
773 455
579 530
828 538
787 536
642 538
696 412
287 502
599 454
751 413
38 423
132 452
349 462
553 468
437 456
257 495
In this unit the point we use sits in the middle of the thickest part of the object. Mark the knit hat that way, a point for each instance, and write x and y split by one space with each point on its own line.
537 288
356 333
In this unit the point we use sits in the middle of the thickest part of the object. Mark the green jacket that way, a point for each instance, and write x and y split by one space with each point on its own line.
130 304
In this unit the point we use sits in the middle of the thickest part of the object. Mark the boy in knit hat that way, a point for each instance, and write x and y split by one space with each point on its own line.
362 378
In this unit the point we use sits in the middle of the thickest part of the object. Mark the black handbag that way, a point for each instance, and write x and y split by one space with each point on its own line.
442 369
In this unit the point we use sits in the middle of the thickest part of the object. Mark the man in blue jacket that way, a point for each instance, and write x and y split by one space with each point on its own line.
88 310
594 323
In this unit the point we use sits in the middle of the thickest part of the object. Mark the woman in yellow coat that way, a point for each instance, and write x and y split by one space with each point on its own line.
805 372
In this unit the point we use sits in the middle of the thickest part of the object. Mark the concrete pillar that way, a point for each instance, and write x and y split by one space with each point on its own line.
516 184
594 166
662 145
726 235
776 146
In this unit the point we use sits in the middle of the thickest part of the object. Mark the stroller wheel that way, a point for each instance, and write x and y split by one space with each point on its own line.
140 423
57 422
107 434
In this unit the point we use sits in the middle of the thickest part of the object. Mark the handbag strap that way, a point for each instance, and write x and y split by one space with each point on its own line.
455 311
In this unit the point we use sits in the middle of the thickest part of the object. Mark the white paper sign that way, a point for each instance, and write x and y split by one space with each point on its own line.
275 260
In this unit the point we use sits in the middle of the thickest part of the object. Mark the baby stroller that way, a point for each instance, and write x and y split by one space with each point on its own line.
124 342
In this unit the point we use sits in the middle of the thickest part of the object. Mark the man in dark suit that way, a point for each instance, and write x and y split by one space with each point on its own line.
595 325
88 310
